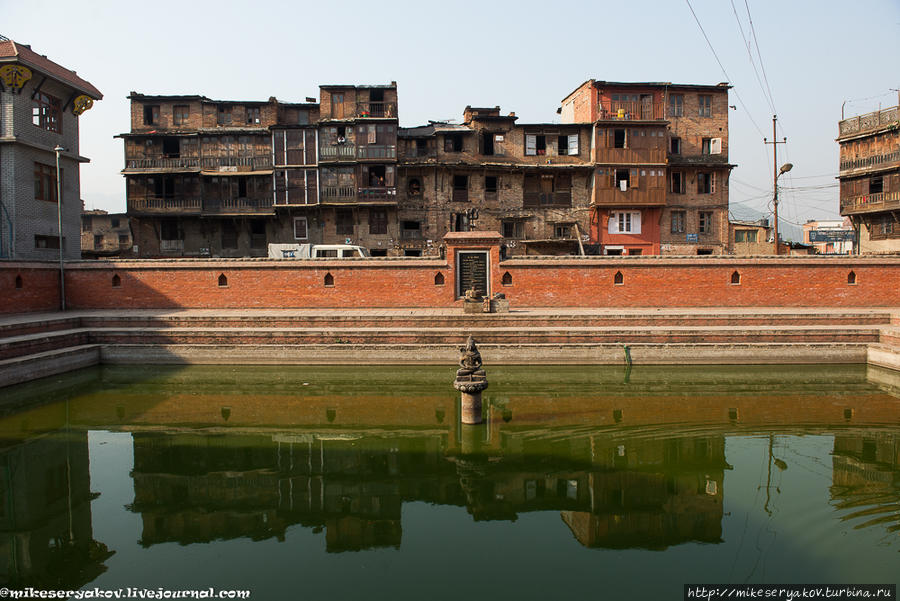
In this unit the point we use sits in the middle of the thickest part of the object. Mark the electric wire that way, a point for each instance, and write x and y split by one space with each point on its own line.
724 72
752 62
759 55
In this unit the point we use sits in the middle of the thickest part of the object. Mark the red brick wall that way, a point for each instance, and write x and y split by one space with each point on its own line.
39 291
562 282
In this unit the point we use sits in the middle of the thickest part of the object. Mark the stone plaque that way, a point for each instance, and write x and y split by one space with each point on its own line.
472 270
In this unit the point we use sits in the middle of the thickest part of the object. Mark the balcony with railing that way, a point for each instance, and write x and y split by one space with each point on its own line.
869 122
460 195
612 110
376 110
633 197
414 154
165 206
167 163
228 206
337 152
377 194
884 161
331 194
630 156
376 151
232 164
870 203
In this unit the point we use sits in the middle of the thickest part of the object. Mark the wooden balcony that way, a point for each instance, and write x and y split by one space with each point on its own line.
634 197
228 206
377 194
174 164
376 110
236 163
418 155
460 195
630 111
330 194
875 161
376 151
870 203
337 152
164 206
869 122
630 156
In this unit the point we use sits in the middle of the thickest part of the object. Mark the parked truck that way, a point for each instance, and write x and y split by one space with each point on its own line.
314 251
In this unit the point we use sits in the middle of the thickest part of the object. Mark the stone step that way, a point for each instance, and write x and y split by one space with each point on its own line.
28 344
487 335
47 363
500 354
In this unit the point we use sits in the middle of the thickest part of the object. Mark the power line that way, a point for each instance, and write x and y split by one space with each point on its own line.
759 55
724 72
750 55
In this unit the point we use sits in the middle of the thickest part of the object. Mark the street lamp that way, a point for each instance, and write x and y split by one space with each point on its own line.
784 169
62 275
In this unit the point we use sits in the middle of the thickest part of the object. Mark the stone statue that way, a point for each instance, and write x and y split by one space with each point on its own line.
470 358
472 295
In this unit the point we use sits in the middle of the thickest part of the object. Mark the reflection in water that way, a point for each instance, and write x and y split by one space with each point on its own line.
223 454
46 536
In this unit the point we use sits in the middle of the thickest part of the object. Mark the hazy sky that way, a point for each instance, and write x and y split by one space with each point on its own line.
524 56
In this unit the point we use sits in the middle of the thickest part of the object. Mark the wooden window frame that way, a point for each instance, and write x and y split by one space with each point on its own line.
45 183
46 112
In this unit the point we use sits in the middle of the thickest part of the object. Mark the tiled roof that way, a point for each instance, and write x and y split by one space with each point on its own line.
12 52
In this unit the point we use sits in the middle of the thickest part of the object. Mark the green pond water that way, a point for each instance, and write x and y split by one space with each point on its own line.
361 482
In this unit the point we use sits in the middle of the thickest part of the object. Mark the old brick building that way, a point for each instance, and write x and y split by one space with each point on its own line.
104 234
40 107
200 174
661 165
870 178
632 169
530 182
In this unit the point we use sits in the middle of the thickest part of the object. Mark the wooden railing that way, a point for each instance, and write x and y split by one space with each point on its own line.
630 155
613 197
867 203
376 109
237 205
253 162
869 121
338 193
630 111
171 246
163 163
164 205
546 199
376 194
337 152
415 153
871 161
411 234
376 151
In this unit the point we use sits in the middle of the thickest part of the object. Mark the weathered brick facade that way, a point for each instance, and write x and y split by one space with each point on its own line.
224 179
38 112
104 234
661 155
870 178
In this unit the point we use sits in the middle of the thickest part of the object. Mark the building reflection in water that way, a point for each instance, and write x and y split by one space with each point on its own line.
46 536
866 479
612 491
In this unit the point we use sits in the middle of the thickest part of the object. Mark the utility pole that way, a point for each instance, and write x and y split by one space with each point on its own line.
775 175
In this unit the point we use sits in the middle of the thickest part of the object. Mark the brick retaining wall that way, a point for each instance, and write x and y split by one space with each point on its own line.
414 282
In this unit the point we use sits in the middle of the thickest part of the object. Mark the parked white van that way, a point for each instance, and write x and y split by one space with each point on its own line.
307 251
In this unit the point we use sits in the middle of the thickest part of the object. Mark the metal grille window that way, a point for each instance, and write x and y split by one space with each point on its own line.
46 112
678 220
300 228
